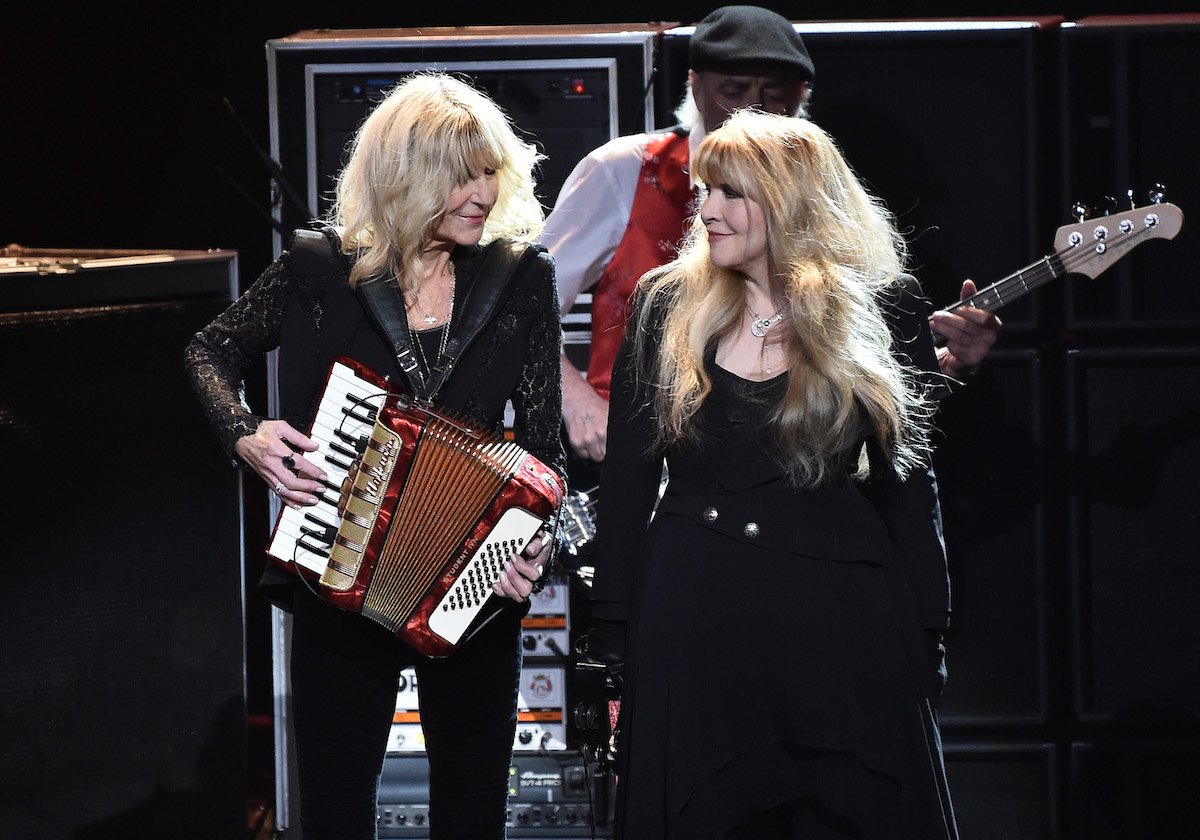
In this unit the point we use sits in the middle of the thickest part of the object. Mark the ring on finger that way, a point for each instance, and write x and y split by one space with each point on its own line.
289 462
279 488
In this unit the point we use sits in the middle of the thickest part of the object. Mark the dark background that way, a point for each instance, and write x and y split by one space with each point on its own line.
115 128
1068 465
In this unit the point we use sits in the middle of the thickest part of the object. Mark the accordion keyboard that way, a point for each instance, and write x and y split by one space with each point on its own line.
343 424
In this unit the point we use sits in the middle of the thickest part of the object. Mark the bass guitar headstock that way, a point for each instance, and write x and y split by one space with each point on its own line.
1091 246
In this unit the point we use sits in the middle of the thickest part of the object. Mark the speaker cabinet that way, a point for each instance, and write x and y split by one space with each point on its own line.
995 473
1132 790
122 705
1135 456
568 89
1004 791
1130 121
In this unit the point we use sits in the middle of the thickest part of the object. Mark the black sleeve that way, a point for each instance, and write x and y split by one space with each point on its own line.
629 482
537 400
910 508
218 356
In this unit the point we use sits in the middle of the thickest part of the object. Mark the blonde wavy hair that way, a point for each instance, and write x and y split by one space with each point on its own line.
834 249
429 134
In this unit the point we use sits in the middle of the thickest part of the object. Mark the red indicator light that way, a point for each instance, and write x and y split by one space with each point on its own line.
578 87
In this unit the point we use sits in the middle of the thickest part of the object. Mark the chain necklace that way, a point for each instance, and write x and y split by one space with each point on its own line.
416 340
428 317
445 328
758 328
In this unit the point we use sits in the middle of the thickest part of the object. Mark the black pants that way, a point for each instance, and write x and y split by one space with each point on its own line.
344 673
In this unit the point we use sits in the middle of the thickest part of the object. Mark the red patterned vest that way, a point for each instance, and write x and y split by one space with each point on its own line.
657 222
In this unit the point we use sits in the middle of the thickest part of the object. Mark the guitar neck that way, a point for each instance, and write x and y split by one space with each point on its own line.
1015 286
1088 248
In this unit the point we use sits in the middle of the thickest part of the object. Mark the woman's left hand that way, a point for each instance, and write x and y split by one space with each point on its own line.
969 332
524 569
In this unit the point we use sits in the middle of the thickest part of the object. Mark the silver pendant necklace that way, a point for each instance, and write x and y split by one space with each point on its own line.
432 319
759 326
445 337
429 317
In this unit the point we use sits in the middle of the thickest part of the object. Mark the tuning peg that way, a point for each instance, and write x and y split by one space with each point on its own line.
1157 193
1080 211
1110 205
1129 195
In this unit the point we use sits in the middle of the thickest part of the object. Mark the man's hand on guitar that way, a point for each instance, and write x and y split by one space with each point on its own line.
969 332
523 571
585 414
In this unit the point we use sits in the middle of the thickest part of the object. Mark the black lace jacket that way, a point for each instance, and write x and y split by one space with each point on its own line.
313 318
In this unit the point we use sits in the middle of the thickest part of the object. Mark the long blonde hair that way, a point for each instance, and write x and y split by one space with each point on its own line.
834 249
430 133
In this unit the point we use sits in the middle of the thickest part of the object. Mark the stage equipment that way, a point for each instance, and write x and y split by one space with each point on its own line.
568 89
1128 123
123 700
551 795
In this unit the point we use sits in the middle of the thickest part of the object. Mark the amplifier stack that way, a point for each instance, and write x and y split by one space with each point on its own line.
550 794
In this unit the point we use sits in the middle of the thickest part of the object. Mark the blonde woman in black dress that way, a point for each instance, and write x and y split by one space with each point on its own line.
785 603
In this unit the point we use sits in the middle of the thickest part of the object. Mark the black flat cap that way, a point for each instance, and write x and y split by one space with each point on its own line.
734 37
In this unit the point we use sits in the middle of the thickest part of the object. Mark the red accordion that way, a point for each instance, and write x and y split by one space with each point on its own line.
423 511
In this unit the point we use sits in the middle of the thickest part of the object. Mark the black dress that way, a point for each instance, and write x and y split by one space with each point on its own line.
776 662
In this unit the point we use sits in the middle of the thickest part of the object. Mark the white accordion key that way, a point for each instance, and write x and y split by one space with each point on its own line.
463 601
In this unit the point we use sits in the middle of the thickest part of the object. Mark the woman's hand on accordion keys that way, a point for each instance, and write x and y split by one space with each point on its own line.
273 452
525 569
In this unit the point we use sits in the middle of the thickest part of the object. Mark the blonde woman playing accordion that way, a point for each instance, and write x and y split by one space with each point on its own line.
436 181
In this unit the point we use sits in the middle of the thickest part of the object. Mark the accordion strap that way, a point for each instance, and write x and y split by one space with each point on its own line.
384 302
